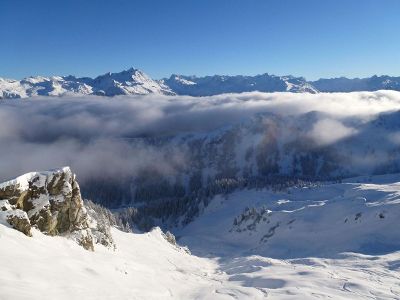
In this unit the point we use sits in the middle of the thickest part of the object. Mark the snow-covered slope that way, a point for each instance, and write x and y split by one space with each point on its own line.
301 258
144 266
360 215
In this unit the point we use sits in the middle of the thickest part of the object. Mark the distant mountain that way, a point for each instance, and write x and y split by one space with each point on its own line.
344 84
217 84
213 85
129 82
136 82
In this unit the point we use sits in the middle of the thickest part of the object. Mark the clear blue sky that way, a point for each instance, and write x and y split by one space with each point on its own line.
312 38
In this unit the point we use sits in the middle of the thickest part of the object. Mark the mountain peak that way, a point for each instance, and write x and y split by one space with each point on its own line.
134 81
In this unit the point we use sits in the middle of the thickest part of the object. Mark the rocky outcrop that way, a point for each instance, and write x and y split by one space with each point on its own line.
17 218
49 201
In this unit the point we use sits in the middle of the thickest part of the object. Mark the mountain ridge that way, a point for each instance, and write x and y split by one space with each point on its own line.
136 82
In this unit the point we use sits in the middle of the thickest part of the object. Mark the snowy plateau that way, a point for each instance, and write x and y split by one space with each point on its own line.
235 196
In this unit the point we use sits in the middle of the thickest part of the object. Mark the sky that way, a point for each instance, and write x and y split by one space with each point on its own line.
310 38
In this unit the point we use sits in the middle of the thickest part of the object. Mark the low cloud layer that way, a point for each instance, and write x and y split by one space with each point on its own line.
102 136
328 131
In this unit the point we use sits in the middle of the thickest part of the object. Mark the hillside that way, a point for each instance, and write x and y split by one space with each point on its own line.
250 244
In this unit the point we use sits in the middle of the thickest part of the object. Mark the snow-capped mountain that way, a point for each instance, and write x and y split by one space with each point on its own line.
213 85
136 82
344 84
129 82
42 86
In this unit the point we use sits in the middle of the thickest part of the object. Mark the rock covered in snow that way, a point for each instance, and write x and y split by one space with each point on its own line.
17 218
51 202
170 238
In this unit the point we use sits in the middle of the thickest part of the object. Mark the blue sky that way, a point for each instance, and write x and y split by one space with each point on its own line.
312 38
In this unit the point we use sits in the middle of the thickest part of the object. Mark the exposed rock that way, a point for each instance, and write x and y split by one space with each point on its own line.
17 218
50 201
170 238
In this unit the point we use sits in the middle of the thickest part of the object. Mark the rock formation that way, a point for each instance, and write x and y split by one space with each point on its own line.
51 202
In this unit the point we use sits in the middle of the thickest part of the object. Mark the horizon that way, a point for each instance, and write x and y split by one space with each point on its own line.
199 76
310 38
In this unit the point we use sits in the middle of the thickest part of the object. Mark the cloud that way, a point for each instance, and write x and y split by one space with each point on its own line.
102 137
327 131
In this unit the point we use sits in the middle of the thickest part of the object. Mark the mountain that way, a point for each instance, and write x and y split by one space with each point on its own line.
266 151
344 84
213 85
42 86
135 82
129 82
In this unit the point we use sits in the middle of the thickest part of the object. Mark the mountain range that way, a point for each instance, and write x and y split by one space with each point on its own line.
285 196
136 82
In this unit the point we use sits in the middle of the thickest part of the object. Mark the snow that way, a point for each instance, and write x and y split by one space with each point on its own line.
130 82
22 182
40 180
326 260
144 266
184 81
333 218
10 212
136 82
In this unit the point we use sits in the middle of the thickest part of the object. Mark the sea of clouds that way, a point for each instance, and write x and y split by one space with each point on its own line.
100 136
